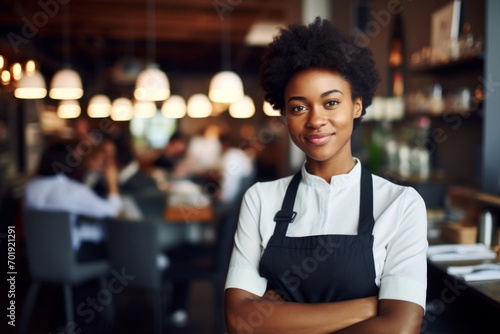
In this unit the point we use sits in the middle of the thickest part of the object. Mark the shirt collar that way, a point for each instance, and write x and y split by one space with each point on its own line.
336 181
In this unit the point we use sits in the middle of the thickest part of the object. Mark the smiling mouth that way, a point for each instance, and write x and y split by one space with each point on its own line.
319 139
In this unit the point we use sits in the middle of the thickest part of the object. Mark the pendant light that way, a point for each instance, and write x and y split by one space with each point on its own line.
17 71
99 106
244 108
144 109
199 106
68 109
152 84
174 107
121 109
226 86
32 84
5 76
66 83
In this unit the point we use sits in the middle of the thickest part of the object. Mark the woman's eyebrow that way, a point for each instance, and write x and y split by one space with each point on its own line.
301 98
331 91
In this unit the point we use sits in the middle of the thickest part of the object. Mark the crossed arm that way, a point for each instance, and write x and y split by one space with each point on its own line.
249 313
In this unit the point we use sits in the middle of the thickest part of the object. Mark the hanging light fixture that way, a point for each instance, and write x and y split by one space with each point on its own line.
174 107
199 106
31 87
66 83
244 108
269 111
121 109
152 83
99 106
5 77
68 109
144 109
226 86
16 71
30 67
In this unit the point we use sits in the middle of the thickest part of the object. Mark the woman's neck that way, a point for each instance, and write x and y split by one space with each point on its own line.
327 169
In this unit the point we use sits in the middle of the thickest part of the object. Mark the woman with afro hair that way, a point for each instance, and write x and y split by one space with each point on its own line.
332 248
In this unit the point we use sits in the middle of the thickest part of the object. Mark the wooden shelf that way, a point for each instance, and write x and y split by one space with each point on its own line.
470 62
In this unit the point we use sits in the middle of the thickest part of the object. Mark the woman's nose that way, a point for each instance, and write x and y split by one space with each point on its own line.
316 118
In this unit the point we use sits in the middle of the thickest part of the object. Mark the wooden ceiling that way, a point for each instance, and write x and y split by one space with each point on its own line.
188 34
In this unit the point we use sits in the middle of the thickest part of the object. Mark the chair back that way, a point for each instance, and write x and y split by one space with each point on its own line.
152 203
134 247
48 243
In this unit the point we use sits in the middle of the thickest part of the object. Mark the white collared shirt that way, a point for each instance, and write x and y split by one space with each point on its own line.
400 231
59 192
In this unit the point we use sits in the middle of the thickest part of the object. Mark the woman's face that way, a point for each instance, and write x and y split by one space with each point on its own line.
320 114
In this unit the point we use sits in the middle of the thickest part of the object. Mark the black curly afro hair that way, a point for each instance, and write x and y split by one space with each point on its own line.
319 44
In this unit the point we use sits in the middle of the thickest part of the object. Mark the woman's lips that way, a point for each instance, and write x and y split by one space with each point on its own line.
319 139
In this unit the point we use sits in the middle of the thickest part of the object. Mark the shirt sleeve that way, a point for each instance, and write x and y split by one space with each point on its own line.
404 276
243 270
91 204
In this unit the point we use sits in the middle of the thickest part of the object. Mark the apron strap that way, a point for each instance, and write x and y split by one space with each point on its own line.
286 215
366 220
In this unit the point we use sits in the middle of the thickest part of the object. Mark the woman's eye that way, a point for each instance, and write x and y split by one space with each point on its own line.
332 103
297 109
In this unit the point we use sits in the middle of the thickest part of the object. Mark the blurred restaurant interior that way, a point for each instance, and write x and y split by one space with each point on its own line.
167 93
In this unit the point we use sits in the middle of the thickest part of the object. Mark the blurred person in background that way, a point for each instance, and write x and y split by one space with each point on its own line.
56 187
94 165
173 153
131 177
236 172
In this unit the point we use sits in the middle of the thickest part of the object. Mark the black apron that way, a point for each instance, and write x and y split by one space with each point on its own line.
321 268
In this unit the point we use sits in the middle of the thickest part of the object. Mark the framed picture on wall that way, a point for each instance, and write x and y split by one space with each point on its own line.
445 26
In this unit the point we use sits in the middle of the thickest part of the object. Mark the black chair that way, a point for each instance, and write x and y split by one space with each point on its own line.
135 245
152 203
51 259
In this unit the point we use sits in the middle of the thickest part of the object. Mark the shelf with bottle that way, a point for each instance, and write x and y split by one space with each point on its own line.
432 102
466 51
470 62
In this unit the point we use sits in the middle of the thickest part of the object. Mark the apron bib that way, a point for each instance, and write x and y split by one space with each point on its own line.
321 268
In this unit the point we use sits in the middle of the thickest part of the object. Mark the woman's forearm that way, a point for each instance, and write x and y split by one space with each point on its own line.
247 313
394 317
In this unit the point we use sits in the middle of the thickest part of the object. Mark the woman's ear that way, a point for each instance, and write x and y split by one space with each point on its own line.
358 107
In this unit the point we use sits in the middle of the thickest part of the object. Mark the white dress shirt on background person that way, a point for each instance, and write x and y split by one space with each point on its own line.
235 165
60 193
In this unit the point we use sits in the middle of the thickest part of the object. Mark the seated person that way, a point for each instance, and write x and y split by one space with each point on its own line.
55 187
93 167
173 153
236 168
131 178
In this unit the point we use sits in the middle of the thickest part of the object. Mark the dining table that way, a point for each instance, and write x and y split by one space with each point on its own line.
182 202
